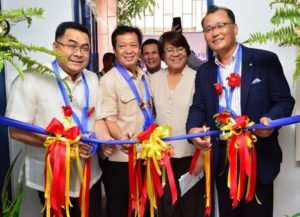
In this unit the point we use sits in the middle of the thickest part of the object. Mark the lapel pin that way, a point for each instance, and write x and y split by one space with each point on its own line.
250 64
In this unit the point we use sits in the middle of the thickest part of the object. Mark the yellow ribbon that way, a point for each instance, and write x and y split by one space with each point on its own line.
72 151
228 131
152 149
207 170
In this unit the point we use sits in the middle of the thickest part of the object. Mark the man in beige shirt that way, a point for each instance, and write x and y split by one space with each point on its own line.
125 110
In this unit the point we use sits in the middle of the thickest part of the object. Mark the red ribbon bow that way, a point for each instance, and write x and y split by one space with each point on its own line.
57 128
58 160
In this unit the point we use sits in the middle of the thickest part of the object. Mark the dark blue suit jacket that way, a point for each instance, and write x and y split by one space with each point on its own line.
270 97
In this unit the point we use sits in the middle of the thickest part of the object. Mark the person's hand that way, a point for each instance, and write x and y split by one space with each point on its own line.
84 150
109 150
199 167
124 148
264 132
201 142
176 29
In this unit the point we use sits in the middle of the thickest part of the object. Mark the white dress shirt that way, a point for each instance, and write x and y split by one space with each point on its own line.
36 100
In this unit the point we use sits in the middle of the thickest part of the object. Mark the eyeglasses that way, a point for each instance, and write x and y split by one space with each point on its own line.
170 51
219 26
85 49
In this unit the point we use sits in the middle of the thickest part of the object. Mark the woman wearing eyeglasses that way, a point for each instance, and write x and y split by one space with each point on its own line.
172 91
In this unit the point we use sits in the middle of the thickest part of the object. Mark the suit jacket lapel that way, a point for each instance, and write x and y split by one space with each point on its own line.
214 79
247 75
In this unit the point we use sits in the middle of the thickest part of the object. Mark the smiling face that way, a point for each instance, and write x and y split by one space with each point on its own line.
151 57
175 57
220 40
74 45
127 51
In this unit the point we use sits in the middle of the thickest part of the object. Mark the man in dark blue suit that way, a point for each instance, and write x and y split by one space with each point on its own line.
263 95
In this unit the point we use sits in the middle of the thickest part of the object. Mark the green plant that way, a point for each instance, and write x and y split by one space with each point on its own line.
10 208
11 49
287 33
295 215
129 9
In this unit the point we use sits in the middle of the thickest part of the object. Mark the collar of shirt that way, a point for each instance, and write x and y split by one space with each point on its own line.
232 61
139 75
65 76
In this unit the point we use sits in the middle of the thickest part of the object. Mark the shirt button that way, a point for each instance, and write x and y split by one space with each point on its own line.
168 112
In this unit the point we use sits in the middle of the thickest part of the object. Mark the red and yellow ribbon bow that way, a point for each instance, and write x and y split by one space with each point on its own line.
242 158
62 147
157 155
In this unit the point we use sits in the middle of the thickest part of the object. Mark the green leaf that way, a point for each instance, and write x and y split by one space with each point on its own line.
285 2
1 64
297 70
289 15
22 14
283 36
11 48
17 66
129 9
16 205
8 175
4 195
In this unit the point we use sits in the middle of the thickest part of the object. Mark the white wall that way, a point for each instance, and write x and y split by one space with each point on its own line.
253 16
41 33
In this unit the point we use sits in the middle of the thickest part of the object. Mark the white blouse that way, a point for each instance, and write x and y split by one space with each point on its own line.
172 106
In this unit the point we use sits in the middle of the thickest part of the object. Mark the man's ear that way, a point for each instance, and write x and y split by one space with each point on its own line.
236 29
54 46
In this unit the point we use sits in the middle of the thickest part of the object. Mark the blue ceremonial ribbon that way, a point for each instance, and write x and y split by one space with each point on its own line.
229 93
147 109
29 127
94 142
83 123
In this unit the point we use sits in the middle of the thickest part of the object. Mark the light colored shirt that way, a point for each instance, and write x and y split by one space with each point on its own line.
120 105
36 100
225 71
172 106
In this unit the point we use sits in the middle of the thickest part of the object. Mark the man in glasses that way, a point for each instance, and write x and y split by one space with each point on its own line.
263 95
40 97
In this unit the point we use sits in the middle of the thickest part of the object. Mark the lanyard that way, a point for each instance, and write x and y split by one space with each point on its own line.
146 109
229 93
83 124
